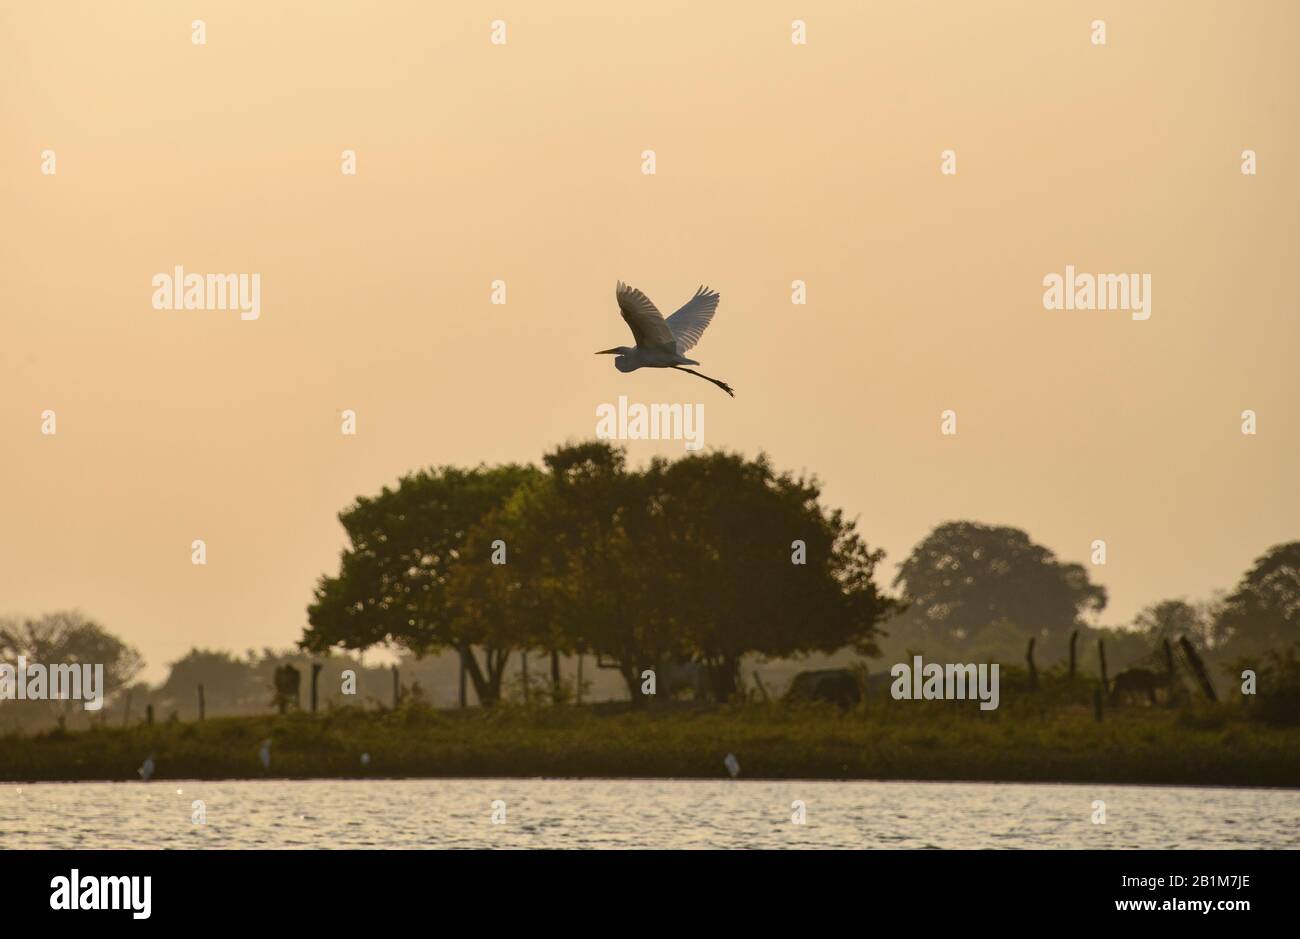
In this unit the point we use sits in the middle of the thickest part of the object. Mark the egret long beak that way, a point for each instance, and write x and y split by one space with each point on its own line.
607 352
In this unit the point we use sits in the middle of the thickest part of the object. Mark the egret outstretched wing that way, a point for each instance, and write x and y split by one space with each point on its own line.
688 323
644 319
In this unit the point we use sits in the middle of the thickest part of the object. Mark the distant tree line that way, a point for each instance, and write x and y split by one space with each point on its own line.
693 559
977 585
709 559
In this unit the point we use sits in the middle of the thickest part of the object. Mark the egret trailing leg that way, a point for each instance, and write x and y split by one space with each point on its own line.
721 384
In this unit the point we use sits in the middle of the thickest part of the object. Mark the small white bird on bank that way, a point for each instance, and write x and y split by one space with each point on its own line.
661 343
732 764
264 754
146 770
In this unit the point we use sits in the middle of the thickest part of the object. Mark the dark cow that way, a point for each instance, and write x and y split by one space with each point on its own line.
839 686
288 683
1137 682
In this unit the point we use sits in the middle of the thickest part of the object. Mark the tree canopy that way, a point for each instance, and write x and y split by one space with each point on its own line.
68 638
1264 610
405 544
965 577
687 559
1172 619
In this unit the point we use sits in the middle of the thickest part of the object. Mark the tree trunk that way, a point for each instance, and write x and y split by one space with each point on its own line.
462 678
497 659
486 687
633 679
556 693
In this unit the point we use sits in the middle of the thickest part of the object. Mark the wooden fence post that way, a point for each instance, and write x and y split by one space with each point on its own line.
1198 668
1074 640
315 677
397 688
1101 654
202 708
579 698
1033 670
148 714
1171 682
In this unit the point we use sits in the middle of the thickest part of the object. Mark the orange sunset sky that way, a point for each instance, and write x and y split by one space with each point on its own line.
522 162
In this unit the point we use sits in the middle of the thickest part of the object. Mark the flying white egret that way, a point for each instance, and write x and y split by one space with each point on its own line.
660 342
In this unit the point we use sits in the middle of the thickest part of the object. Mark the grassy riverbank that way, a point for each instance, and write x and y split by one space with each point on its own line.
926 740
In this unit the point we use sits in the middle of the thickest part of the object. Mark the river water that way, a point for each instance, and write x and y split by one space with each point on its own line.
631 813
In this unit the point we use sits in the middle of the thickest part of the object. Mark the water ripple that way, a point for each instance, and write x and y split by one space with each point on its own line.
592 813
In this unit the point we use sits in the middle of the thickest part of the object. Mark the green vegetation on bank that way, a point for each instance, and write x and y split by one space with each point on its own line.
882 739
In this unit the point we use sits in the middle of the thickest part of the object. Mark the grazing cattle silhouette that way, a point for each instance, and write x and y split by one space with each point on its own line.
1135 681
288 683
839 686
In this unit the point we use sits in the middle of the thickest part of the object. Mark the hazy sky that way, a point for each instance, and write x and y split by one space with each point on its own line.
522 162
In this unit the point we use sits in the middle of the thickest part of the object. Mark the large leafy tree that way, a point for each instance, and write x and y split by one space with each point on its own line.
964 577
499 594
1172 619
405 545
685 559
69 638
726 530
1263 612
586 548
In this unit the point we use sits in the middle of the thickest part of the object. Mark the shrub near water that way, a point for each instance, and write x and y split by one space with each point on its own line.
1278 694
